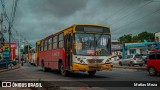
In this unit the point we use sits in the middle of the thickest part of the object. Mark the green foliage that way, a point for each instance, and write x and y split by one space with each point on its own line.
26 48
137 38
147 36
125 38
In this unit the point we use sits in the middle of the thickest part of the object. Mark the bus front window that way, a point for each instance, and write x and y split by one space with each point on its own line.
92 44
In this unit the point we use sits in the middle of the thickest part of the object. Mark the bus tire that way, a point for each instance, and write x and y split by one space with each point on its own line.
91 73
43 67
63 72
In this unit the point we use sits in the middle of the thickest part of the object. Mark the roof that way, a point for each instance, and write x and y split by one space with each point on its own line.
114 41
136 45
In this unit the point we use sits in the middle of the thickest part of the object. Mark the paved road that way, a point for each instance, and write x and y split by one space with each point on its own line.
28 72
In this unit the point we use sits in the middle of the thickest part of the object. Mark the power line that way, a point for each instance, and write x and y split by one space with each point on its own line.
137 20
12 8
130 13
14 11
20 35
4 10
13 38
116 12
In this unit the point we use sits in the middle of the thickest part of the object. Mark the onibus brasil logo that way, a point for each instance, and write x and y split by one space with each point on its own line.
20 84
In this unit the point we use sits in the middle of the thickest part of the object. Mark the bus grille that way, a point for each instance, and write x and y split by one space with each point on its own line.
94 67
92 61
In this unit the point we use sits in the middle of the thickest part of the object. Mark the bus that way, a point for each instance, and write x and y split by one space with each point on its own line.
32 56
80 47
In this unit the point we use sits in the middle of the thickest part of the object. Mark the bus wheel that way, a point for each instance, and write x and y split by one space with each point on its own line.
44 69
63 72
91 73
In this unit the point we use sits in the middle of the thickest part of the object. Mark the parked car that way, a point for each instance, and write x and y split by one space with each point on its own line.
145 58
153 63
132 60
120 56
115 58
7 63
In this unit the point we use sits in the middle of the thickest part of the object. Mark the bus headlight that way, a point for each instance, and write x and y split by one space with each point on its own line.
82 62
78 59
108 61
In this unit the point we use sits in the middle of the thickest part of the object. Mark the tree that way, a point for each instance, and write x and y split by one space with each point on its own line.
135 39
126 38
146 36
26 48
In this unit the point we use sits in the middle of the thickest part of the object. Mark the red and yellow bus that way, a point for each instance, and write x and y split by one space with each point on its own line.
32 56
77 48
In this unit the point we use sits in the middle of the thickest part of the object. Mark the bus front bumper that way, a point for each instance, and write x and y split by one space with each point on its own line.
91 67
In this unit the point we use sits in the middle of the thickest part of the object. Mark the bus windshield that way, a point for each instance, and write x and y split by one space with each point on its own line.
92 44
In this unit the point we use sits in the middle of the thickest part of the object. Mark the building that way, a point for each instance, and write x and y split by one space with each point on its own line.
116 48
141 48
135 48
11 55
157 37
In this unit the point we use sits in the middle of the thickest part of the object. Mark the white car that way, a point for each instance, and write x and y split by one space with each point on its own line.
132 60
114 58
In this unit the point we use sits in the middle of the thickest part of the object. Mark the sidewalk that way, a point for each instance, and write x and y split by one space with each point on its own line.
15 67
116 65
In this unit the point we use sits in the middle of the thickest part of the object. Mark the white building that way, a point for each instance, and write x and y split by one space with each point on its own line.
157 37
135 48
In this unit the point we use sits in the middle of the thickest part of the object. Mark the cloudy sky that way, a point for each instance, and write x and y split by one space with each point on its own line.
36 19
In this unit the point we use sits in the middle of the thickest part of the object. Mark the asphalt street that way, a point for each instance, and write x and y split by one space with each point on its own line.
32 73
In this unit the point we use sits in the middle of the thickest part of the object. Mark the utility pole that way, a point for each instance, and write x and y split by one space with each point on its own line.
1 22
9 32
28 49
19 56
1 30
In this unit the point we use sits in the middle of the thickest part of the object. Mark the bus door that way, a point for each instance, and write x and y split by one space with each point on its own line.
68 48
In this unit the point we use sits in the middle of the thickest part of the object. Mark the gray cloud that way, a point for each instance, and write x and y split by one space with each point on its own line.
58 8
36 19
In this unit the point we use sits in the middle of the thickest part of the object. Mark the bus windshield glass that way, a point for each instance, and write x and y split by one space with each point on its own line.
92 44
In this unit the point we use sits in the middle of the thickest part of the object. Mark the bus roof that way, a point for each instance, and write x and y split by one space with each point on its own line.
90 25
38 42
74 25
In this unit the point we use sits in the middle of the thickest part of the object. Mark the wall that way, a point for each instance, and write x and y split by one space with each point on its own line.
137 50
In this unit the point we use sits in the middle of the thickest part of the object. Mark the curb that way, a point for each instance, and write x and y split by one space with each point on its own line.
15 67
126 67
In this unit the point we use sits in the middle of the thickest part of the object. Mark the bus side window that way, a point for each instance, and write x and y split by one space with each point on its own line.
55 42
60 40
